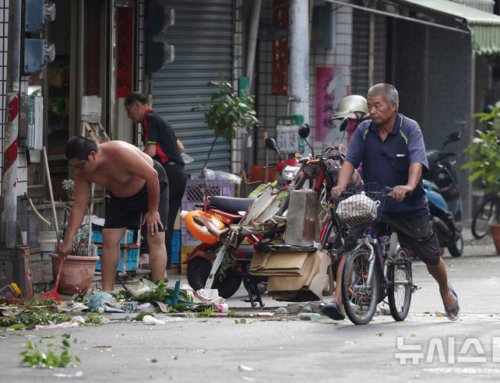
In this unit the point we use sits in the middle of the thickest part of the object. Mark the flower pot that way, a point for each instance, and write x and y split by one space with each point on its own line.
77 273
495 233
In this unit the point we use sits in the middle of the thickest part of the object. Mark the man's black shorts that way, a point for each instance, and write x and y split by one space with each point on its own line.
416 233
126 212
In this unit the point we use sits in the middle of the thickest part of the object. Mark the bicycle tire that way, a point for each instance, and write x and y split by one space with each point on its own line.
360 300
484 215
400 287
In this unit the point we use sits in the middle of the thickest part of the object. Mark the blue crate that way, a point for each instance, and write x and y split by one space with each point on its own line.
176 247
132 260
128 236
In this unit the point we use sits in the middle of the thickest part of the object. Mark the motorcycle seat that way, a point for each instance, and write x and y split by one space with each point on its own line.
230 204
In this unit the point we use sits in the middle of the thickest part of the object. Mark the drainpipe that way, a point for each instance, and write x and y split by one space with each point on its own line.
371 50
298 78
11 135
252 40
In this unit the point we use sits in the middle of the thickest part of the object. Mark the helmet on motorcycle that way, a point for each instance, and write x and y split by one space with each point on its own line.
353 106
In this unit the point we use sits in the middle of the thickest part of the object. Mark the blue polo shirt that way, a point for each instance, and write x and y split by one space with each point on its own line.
388 162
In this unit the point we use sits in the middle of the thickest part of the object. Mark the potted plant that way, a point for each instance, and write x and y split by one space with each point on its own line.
78 270
483 154
227 112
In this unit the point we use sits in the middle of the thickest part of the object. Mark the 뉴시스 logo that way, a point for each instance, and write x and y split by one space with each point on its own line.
450 350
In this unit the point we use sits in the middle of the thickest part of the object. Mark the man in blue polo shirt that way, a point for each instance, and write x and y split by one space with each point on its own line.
391 149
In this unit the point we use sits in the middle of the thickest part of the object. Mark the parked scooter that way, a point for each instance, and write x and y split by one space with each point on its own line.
208 225
448 232
443 175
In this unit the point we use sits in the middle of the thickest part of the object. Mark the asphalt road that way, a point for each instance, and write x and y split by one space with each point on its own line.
425 347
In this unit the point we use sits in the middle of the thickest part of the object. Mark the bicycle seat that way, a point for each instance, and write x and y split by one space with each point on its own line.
230 204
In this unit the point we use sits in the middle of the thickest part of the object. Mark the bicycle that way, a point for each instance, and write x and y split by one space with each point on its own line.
485 214
377 267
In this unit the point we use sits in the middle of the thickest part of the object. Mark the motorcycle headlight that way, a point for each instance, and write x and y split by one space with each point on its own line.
289 172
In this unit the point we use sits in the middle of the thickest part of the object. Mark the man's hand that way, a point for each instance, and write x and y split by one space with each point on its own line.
153 222
399 192
337 191
64 248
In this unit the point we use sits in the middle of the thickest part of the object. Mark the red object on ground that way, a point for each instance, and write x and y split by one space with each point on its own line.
53 294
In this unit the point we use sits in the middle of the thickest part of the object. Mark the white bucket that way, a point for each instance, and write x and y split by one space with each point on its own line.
47 241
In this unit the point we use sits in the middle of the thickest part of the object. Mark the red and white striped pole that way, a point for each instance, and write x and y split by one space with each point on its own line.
11 132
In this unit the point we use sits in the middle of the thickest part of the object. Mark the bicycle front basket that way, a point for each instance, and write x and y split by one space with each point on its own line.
358 209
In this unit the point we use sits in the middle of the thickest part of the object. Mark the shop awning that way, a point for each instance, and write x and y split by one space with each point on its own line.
484 26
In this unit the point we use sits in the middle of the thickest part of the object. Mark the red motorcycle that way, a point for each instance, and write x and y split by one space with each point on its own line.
209 225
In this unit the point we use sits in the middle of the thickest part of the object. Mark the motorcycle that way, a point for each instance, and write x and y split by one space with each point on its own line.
210 226
448 232
443 175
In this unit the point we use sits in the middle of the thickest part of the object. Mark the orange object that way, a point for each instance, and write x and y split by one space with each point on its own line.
200 231
53 294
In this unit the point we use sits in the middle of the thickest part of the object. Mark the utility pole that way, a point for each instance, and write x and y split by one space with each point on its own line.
298 78
8 203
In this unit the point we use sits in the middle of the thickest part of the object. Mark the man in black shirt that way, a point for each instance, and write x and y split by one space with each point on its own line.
161 144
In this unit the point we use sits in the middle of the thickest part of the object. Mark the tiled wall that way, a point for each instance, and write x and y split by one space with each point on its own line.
270 106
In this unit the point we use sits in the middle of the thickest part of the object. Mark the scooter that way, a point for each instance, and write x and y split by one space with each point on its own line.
448 232
443 175
209 225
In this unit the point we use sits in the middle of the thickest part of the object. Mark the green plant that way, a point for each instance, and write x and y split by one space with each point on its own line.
483 153
227 112
40 355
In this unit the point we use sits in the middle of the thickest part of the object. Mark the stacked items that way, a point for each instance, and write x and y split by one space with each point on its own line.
293 276
129 251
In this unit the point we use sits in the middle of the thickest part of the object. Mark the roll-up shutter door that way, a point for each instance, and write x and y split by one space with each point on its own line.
202 37
360 51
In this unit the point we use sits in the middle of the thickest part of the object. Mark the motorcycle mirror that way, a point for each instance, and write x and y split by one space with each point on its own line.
344 124
455 136
304 131
273 145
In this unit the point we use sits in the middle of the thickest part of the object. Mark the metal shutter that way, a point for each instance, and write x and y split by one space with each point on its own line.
360 51
203 40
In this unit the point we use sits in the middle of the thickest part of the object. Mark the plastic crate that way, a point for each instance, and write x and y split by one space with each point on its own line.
198 189
127 239
132 261
176 247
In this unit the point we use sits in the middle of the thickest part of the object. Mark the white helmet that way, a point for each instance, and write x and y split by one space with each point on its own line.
352 107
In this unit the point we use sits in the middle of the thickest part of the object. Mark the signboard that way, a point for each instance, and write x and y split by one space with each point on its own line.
287 133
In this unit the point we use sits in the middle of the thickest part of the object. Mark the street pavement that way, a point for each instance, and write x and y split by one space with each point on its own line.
258 346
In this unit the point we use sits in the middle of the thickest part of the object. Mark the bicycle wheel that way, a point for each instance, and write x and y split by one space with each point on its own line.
359 296
400 285
484 215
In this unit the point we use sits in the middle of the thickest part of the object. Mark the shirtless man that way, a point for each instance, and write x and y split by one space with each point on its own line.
138 186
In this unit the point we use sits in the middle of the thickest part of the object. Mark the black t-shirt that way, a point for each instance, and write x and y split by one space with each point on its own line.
157 131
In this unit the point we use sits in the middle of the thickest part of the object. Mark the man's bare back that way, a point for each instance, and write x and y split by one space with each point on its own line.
117 169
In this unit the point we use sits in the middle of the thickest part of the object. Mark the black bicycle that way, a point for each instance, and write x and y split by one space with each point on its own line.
377 267
485 214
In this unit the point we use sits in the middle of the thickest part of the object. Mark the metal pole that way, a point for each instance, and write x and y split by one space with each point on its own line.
252 41
298 80
11 134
